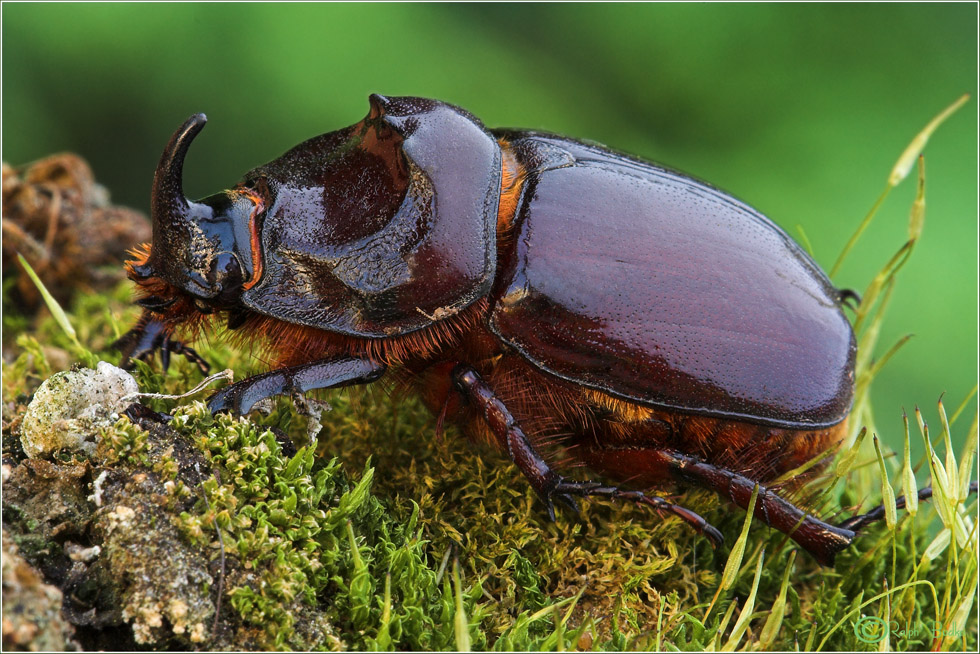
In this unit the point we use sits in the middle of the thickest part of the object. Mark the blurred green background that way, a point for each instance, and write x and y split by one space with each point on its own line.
800 110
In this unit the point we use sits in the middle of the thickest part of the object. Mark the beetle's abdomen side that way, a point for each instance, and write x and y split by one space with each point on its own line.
654 287
625 438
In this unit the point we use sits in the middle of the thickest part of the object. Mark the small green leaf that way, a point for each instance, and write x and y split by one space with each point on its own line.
846 461
962 612
953 491
360 584
966 460
724 623
938 545
383 639
775 620
352 499
738 549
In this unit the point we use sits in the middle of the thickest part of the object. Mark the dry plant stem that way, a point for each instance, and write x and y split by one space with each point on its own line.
221 543
227 374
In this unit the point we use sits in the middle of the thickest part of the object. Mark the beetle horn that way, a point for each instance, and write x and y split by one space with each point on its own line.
168 206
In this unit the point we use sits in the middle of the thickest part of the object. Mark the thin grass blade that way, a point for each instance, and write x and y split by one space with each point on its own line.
950 467
461 622
966 460
775 620
742 623
917 214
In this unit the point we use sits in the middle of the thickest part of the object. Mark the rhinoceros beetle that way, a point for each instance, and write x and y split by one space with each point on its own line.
553 297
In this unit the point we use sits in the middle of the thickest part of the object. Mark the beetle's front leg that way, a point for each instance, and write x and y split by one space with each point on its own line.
546 482
149 335
240 397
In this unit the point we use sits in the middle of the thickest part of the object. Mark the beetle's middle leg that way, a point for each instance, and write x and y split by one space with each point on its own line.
546 482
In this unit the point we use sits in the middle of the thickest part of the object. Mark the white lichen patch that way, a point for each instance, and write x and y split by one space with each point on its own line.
198 633
84 554
70 408
146 617
122 517
177 612
164 584
96 495
149 613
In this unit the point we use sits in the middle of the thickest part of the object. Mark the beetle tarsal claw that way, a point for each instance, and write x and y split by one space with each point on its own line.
564 497
849 298
549 508
713 535
570 503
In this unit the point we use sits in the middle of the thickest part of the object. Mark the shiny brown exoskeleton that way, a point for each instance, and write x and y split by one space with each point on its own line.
562 301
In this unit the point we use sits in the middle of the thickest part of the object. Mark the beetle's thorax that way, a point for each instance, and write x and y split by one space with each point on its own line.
379 229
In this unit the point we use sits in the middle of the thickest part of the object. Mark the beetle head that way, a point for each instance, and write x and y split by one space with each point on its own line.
199 247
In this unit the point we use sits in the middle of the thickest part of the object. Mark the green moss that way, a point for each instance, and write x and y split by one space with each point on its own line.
309 537
123 441
476 505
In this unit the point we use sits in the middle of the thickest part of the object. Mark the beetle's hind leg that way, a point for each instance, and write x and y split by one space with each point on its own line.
819 538
548 484
859 522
